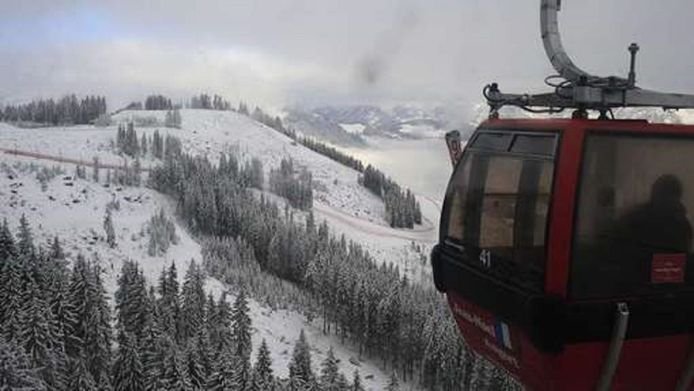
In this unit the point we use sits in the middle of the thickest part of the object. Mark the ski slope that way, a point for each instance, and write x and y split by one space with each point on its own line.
74 209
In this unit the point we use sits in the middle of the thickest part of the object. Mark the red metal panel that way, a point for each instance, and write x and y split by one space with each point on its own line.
645 364
562 213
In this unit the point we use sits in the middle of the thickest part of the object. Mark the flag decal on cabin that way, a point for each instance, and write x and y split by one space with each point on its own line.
503 335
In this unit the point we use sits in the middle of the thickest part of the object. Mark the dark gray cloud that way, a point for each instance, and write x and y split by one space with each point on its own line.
321 51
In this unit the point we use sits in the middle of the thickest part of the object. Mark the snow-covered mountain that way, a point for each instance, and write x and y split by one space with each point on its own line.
345 124
314 125
73 209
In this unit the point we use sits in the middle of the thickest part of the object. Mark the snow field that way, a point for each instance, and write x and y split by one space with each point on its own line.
74 209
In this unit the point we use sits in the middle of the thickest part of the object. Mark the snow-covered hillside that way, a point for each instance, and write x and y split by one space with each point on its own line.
74 209
209 132
338 198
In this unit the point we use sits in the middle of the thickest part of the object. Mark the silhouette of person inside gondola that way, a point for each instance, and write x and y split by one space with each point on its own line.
658 226
661 223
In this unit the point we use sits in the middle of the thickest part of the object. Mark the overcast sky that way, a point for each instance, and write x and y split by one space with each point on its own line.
316 52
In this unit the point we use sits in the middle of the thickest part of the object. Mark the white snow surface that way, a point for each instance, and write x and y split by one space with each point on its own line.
75 213
353 128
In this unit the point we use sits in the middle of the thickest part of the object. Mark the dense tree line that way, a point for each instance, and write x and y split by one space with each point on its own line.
158 102
310 143
268 120
402 208
297 188
58 332
332 153
126 140
204 101
243 108
158 146
251 174
173 119
162 234
407 326
232 261
69 110
54 322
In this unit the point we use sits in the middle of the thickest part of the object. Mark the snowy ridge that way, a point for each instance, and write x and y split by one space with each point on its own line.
331 123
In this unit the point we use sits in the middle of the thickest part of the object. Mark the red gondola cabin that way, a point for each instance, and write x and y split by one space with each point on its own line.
552 228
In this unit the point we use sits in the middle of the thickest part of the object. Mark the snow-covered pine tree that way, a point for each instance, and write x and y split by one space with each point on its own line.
241 331
56 252
263 378
108 227
16 372
96 167
225 373
39 337
168 119
152 356
98 346
132 301
10 283
194 367
92 325
177 118
357 384
79 378
330 373
131 145
25 239
169 302
221 336
300 371
11 291
79 291
393 384
157 145
64 317
173 374
128 373
143 145
192 301
202 349
162 233
7 244
137 172
120 137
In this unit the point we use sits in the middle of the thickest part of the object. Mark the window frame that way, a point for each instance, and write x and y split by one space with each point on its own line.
470 149
652 132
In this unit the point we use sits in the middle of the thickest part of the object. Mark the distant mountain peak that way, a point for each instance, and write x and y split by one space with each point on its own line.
346 124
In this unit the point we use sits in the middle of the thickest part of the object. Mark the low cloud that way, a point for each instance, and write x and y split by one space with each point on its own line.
332 51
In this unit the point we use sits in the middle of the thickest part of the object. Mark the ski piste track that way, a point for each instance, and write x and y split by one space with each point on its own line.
423 233
61 159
